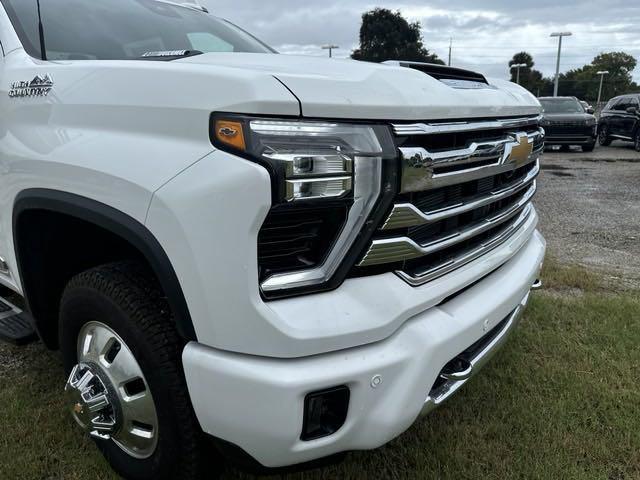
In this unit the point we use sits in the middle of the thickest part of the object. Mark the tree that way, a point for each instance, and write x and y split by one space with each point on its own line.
387 35
584 82
581 82
531 79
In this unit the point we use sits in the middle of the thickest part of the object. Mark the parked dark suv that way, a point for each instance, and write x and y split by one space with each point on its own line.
620 120
567 123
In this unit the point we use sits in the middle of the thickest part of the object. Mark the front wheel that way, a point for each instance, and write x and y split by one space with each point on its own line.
126 387
603 136
636 143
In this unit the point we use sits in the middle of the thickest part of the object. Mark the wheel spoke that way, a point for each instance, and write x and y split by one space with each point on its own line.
136 438
94 343
139 408
124 368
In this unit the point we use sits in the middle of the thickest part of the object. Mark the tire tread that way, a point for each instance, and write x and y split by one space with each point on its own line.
137 293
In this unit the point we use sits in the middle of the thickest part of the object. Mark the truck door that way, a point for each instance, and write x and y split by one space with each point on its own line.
616 122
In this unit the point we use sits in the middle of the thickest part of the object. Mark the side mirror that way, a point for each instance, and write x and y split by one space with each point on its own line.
632 110
590 111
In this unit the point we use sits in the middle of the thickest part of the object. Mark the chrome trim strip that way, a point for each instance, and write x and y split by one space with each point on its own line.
335 187
419 166
445 391
521 225
406 215
402 129
399 249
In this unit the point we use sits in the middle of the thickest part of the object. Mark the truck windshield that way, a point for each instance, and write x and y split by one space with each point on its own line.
561 105
123 29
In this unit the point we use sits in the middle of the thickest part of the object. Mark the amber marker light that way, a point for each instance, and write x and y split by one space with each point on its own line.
230 133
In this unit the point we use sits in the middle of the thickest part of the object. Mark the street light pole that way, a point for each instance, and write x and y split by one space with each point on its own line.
518 66
559 35
331 48
602 74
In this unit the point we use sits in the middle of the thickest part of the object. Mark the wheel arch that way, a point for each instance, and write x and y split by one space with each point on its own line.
100 221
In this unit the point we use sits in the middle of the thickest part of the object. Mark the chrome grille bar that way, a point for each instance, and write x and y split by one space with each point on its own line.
391 250
401 129
522 223
423 170
406 215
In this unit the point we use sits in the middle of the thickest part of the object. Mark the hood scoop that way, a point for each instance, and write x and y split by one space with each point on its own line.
453 77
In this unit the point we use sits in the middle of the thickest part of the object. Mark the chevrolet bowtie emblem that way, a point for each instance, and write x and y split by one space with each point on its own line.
522 150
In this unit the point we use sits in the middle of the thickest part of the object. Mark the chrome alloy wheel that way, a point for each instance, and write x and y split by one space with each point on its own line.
109 396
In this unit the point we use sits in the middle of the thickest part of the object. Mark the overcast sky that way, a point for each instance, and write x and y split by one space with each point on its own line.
485 34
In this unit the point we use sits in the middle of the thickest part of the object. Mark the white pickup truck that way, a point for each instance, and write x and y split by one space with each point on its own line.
294 256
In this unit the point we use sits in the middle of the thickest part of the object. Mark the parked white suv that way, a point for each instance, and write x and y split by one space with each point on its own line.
296 256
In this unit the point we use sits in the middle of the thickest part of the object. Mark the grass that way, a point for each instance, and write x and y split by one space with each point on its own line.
560 401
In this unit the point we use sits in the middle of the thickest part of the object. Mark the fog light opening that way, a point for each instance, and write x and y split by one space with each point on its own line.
325 412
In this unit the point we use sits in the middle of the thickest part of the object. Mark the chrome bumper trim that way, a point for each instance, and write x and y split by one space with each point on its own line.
451 386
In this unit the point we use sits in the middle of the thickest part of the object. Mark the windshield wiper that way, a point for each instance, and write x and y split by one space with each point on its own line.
168 55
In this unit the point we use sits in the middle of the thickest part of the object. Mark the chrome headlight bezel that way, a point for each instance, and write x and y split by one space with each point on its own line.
320 163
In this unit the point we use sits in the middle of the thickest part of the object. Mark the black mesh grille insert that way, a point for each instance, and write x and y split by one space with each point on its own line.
294 240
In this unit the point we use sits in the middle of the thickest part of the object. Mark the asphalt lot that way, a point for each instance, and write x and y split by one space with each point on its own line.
589 206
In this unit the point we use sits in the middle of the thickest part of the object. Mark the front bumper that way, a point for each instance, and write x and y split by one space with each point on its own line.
257 402
578 135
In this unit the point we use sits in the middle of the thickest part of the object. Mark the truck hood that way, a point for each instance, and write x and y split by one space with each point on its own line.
331 88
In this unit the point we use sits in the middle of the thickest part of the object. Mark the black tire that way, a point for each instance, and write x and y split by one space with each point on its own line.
588 148
125 298
603 136
636 143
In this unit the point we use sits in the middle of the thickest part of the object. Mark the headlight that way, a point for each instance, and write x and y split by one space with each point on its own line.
590 122
327 177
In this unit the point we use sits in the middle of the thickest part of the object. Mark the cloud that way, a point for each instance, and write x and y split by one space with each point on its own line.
484 37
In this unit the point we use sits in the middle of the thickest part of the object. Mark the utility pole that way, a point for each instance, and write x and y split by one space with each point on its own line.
331 48
602 74
559 35
450 47
518 66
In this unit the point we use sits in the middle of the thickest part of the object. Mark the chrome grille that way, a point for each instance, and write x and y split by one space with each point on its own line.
457 203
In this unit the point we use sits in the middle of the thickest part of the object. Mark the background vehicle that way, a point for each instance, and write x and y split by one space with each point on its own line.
295 256
620 120
587 107
566 123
